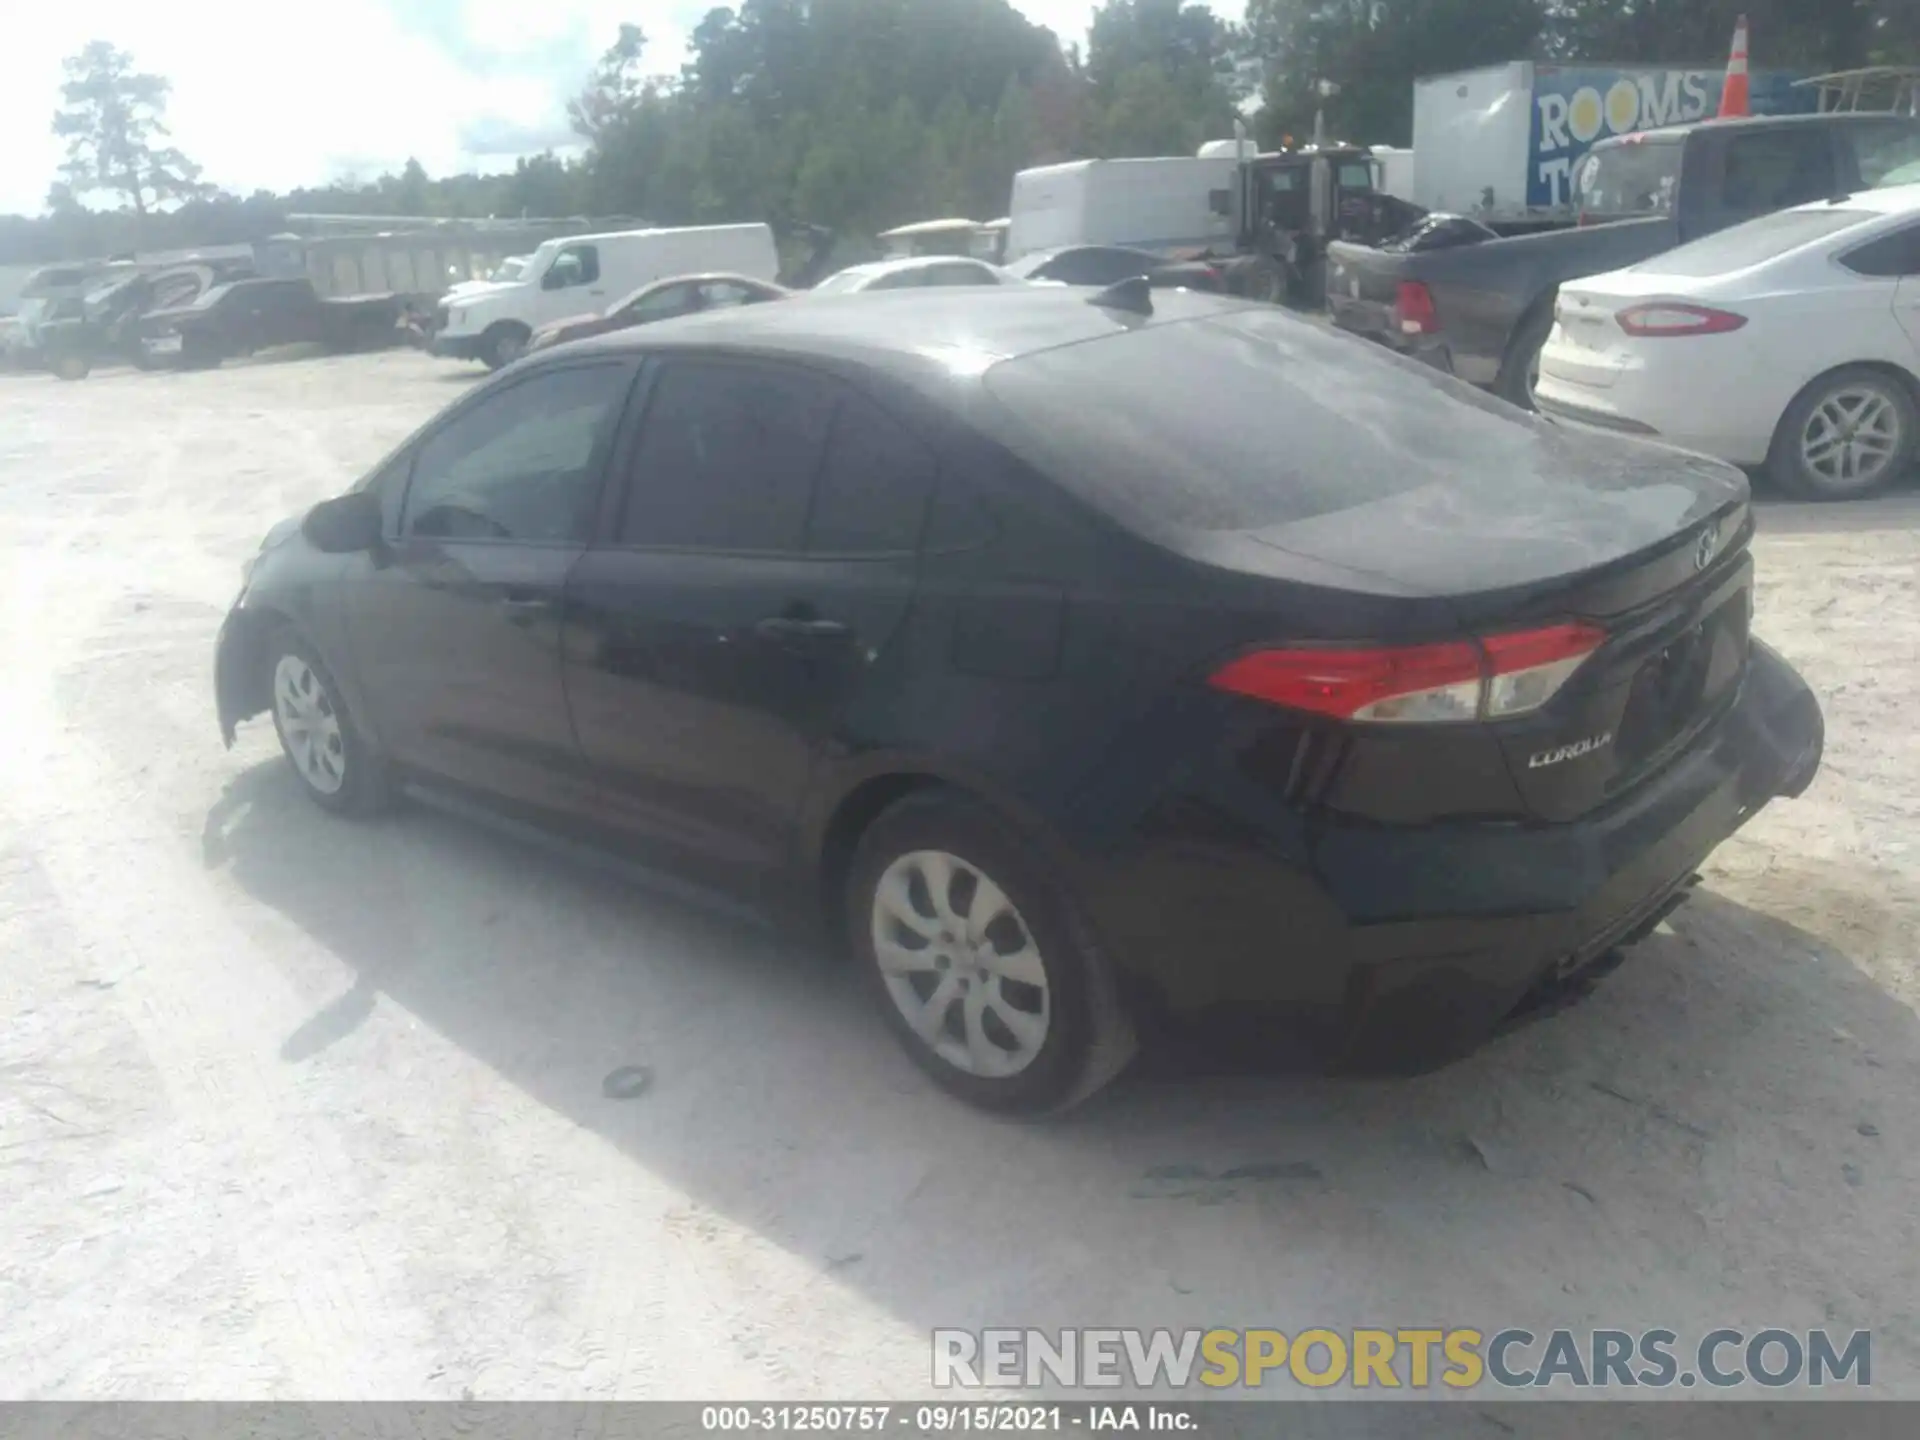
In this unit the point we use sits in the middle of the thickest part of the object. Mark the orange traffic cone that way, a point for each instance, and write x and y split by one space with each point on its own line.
1734 100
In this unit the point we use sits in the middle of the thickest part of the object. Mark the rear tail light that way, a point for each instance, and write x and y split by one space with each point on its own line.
1492 678
1414 311
1664 321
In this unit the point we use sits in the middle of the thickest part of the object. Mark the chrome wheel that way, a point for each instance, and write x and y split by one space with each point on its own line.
960 964
309 725
1851 438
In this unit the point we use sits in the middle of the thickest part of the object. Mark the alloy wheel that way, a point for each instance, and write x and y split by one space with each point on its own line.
960 964
1851 438
309 724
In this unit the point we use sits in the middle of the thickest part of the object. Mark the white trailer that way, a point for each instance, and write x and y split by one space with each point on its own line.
1501 143
1162 203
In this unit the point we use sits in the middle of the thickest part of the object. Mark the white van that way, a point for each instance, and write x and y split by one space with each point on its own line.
586 274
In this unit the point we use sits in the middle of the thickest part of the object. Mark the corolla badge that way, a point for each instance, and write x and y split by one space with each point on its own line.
1706 545
1563 753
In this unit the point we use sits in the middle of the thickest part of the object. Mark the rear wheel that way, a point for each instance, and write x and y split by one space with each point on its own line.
335 765
983 968
72 366
1849 434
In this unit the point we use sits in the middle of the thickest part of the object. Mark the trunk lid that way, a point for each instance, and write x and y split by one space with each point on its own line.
1396 507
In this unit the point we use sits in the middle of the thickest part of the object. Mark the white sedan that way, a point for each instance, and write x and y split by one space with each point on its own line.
1790 342
914 272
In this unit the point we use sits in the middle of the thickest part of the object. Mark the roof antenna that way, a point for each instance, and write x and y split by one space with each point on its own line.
1134 295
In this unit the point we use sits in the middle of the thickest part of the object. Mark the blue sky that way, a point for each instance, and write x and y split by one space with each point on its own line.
266 98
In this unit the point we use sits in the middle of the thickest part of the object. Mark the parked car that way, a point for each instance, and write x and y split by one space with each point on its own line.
1482 311
1104 265
105 324
913 272
494 322
967 628
250 315
1792 342
661 300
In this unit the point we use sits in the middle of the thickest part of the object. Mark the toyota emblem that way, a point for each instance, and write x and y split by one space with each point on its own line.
1704 547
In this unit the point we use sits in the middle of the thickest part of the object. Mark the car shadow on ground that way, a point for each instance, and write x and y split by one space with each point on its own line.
1613 1163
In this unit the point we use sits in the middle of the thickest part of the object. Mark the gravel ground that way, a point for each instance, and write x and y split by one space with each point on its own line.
294 1108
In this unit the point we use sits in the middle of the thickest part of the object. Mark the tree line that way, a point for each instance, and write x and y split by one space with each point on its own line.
861 114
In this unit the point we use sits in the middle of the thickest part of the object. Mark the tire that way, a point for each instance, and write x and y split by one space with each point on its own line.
71 367
503 344
1024 1047
1520 366
1882 408
341 773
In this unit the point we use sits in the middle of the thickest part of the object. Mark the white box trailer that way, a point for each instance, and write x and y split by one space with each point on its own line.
1502 142
1160 203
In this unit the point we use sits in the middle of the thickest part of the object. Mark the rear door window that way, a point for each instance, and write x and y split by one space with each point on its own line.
1774 169
871 496
727 458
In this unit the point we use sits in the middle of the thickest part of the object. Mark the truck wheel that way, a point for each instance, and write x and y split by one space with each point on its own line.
71 367
503 344
1852 432
1521 367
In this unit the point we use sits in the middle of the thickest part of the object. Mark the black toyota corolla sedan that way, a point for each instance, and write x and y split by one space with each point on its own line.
1071 659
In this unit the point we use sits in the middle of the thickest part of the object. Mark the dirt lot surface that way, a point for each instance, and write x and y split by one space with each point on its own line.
298 1108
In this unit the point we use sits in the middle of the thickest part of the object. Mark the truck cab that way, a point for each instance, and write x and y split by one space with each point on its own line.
1288 206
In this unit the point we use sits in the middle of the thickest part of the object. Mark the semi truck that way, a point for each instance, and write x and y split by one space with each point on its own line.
1265 218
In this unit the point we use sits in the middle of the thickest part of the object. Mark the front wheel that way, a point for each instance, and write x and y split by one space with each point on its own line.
503 344
986 973
1848 435
335 765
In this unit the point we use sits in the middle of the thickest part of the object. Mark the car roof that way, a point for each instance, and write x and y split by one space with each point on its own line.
907 262
702 277
933 337
1752 122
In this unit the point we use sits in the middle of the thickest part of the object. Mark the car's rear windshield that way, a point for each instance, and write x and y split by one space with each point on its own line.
1636 177
1245 420
1753 243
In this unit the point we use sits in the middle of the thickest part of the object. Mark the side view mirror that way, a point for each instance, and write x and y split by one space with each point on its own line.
345 525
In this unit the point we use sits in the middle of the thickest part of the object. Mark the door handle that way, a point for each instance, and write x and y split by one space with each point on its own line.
790 628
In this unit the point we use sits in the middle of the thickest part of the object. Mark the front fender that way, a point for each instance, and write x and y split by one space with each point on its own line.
239 669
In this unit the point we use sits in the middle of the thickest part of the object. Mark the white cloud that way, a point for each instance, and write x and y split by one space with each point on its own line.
355 86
